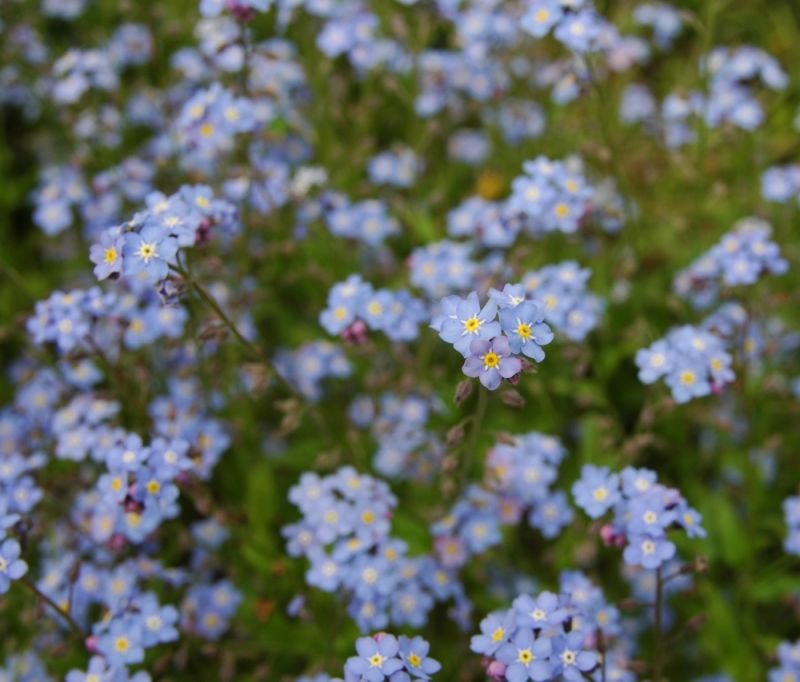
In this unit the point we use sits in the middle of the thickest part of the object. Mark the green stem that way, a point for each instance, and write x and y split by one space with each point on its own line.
474 435
658 652
212 303
27 582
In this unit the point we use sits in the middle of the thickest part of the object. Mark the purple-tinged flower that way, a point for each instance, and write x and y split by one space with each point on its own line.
491 361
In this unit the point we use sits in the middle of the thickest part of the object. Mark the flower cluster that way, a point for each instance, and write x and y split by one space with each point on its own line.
386 657
309 365
781 183
211 118
576 25
345 534
488 344
442 267
550 196
354 307
693 363
79 70
406 449
741 257
644 510
665 21
522 473
66 319
566 303
788 669
397 168
367 221
60 189
791 513
519 473
547 637
144 249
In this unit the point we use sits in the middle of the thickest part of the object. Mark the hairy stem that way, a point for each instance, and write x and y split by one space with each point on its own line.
474 435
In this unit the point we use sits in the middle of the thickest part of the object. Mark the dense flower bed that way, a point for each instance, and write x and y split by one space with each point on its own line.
399 340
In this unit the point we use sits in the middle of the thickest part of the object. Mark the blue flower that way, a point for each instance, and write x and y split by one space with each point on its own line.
107 255
541 16
11 566
570 659
527 658
524 326
121 644
648 551
414 654
148 254
496 630
377 659
469 323
544 612
596 491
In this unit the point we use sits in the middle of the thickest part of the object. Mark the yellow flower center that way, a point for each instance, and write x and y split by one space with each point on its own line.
491 359
472 325
524 656
498 634
122 644
146 252
600 494
207 130
524 330
376 660
414 660
110 255
688 377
